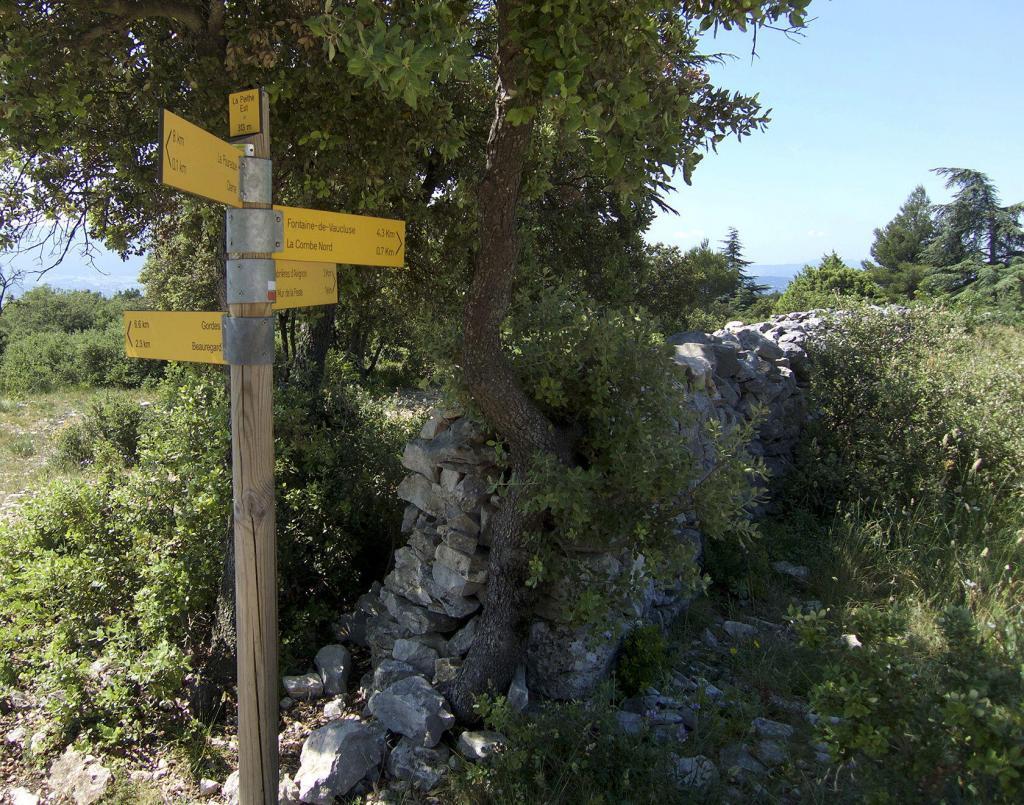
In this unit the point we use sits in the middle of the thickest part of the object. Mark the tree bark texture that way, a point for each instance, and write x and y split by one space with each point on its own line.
490 378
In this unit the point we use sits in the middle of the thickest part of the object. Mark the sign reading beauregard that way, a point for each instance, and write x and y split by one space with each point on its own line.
173 336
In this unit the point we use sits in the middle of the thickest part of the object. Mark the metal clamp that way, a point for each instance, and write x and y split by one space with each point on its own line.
256 231
254 179
251 280
248 341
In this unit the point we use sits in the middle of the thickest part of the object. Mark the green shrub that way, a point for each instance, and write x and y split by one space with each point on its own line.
566 753
109 431
914 457
338 470
643 659
606 376
42 361
944 713
828 285
109 581
105 582
922 404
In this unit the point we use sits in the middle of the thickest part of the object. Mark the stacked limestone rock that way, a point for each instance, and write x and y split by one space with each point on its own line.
420 623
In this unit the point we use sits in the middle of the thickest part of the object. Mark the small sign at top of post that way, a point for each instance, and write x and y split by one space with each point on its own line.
244 113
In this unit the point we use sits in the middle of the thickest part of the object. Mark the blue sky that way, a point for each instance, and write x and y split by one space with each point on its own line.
876 94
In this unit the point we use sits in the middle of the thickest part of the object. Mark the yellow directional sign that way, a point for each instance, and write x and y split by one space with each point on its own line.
244 113
195 161
302 283
167 336
337 237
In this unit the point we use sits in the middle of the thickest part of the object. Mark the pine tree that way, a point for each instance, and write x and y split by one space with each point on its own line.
906 236
974 225
748 289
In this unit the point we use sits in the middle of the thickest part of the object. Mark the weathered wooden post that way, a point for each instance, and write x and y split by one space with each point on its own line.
249 349
277 258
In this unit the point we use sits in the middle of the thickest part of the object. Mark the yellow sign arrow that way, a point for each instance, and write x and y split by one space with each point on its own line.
172 336
195 161
244 113
337 237
303 283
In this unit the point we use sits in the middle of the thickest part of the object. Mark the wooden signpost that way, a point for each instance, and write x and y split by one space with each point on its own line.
278 258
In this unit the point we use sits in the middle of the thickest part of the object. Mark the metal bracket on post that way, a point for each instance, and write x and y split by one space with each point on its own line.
248 341
254 185
254 231
252 281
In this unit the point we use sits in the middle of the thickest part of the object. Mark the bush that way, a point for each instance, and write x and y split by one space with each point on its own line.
644 658
915 455
105 582
109 432
53 338
41 362
943 712
109 582
925 403
566 753
339 517
828 285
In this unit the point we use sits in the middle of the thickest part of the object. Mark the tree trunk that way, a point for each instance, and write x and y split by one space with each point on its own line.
311 359
494 386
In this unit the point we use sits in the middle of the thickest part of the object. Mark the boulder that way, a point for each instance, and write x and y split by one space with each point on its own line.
304 687
739 631
738 762
459 643
411 707
22 796
419 765
336 757
566 663
518 694
417 457
420 656
79 777
766 728
770 753
798 573
420 492
334 662
696 773
389 672
415 619
480 744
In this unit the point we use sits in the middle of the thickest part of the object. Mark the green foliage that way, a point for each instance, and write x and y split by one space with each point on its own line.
55 338
565 753
974 226
899 422
996 289
905 237
106 581
945 713
918 449
642 660
337 470
830 284
108 434
686 290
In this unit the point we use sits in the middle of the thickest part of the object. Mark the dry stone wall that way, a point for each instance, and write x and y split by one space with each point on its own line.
421 620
